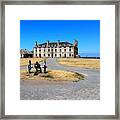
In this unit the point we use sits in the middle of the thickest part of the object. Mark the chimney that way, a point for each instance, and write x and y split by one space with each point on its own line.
58 43
48 43
75 43
36 43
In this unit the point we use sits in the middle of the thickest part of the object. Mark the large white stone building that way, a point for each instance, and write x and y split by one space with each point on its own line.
56 49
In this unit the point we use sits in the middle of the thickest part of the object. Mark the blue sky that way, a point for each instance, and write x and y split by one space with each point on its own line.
87 32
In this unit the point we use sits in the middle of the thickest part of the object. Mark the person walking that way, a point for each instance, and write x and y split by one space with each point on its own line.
29 66
45 66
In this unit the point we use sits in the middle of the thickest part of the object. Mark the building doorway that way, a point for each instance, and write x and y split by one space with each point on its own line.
65 55
40 55
52 55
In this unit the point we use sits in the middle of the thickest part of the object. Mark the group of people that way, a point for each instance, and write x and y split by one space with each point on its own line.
37 67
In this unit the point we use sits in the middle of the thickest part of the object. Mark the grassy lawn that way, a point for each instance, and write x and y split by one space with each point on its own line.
24 61
80 62
52 75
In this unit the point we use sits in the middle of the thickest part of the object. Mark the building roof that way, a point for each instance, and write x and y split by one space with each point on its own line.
25 51
51 44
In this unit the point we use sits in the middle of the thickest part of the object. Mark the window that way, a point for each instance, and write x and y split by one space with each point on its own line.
64 49
60 55
44 49
48 55
48 50
39 50
44 55
69 49
55 50
60 50
52 50
55 55
70 55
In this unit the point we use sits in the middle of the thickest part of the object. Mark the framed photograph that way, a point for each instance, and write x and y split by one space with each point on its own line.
59 59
